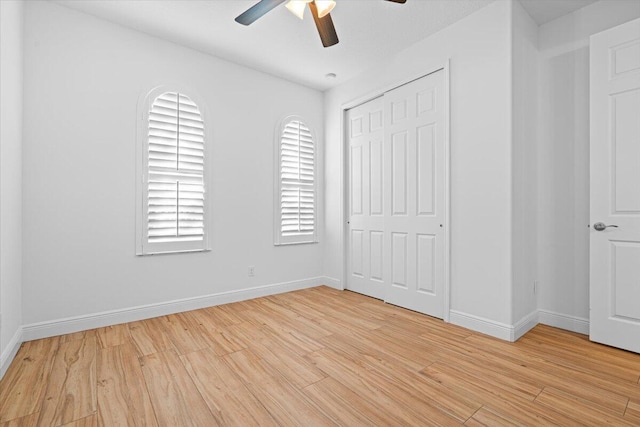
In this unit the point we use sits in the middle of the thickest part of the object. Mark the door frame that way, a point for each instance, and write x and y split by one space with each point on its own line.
447 172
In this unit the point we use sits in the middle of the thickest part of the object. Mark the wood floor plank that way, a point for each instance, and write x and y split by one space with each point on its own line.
78 335
266 317
449 402
222 315
175 398
486 418
579 409
294 368
112 335
633 412
429 391
149 336
343 313
297 307
295 341
238 307
605 393
223 341
283 401
224 392
184 332
521 411
28 421
571 357
25 382
71 391
504 385
219 337
383 392
90 421
282 310
352 342
395 315
122 393
582 345
346 407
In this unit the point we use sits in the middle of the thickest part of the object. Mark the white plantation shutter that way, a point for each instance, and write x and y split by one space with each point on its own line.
297 191
175 184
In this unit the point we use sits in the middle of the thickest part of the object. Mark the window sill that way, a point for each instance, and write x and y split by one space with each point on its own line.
306 242
169 252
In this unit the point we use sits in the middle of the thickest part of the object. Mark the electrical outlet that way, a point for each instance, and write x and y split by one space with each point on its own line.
251 271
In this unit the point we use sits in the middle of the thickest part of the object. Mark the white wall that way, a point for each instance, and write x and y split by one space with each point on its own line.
83 78
11 25
524 168
480 52
563 197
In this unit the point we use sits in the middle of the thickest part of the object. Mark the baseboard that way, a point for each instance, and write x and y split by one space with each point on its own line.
524 325
10 352
97 320
333 283
570 323
482 325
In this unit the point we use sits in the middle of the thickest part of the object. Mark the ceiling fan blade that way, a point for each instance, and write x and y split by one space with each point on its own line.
398 1
250 15
325 27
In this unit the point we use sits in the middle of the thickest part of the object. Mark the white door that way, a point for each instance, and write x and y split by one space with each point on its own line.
615 187
396 248
366 208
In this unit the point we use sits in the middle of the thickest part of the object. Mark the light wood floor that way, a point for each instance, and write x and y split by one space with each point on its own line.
312 358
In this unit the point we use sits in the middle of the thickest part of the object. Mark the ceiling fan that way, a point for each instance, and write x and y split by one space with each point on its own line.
319 9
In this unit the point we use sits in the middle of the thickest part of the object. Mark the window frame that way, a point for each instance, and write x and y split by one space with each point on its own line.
143 246
279 239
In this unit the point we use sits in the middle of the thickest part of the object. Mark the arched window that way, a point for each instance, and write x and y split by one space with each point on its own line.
174 208
296 183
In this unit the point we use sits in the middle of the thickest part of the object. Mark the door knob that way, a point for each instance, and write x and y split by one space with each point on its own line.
601 226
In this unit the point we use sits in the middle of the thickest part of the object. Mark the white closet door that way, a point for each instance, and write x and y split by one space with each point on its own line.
615 187
366 204
397 196
414 174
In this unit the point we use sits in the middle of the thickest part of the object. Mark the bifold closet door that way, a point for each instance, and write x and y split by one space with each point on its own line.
397 196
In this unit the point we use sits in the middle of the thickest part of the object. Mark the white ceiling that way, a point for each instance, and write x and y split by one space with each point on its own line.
281 44
543 11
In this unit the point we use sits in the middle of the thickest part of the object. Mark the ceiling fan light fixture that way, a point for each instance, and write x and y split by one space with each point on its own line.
324 7
297 7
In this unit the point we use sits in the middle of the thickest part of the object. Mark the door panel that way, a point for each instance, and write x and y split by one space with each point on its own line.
626 150
426 254
376 240
375 174
399 260
399 173
615 187
626 270
397 196
356 180
426 169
